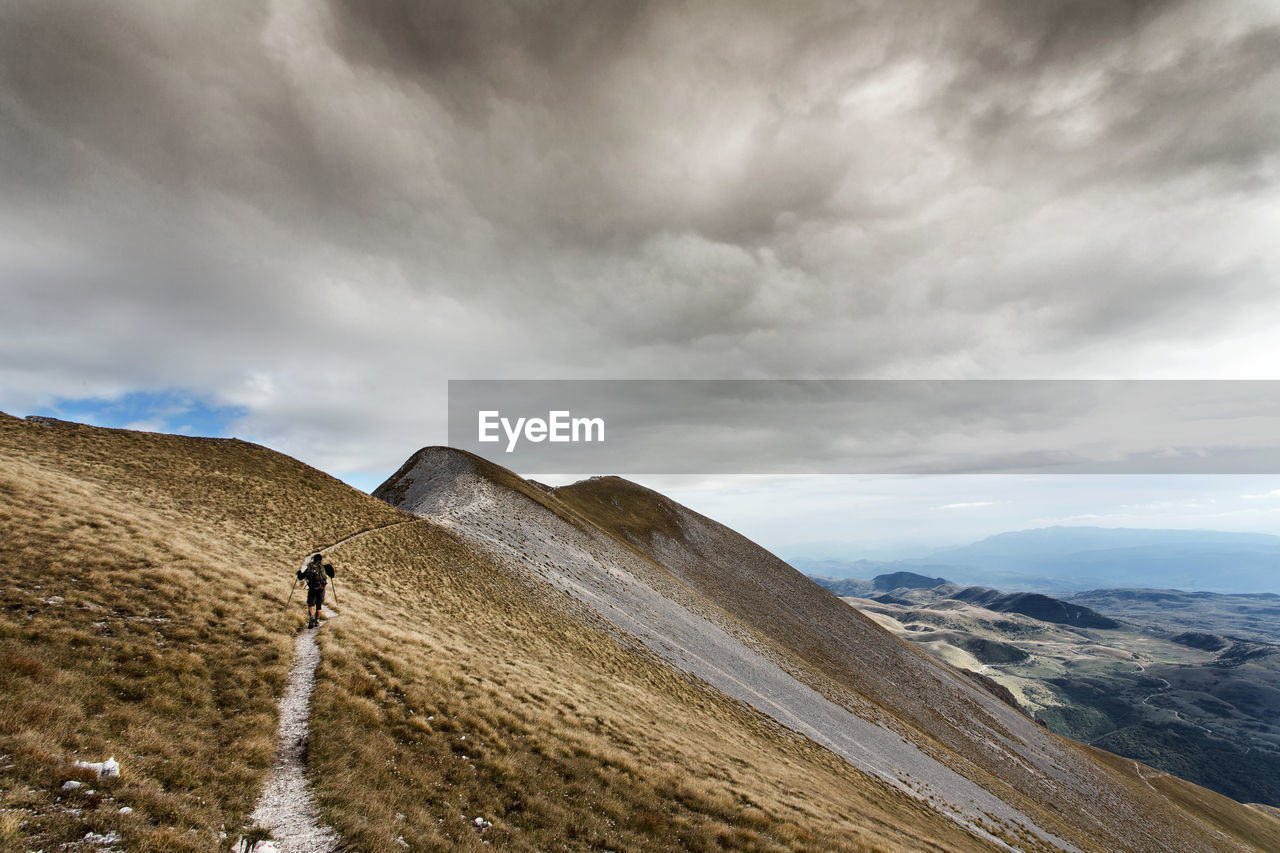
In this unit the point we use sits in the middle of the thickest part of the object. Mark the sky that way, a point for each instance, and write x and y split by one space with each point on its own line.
294 221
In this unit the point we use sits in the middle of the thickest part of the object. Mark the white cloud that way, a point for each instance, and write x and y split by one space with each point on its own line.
1265 496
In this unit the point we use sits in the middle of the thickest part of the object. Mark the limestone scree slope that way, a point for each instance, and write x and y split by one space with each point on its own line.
715 605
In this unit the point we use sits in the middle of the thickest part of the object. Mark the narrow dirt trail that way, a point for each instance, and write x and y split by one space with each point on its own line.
370 530
287 807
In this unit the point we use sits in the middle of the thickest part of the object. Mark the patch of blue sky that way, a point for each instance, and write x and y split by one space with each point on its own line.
171 411
365 481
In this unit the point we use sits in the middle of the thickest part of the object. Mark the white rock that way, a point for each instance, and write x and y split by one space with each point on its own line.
128 810
70 785
94 838
109 769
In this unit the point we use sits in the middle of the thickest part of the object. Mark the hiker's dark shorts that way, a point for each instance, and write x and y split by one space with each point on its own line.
315 597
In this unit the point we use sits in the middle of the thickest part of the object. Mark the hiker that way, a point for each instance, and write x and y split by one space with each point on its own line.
314 573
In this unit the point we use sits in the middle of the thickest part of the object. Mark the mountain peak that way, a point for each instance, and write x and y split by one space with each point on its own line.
433 468
910 580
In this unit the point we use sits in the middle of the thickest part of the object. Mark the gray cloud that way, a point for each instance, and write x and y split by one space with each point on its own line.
1122 92
316 209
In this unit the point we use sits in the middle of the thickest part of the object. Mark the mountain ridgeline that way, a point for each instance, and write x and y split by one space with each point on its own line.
1071 559
891 587
507 666
1062 560
1036 606
670 582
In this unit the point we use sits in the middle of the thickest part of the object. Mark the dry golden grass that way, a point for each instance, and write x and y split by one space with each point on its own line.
459 691
449 689
141 583
112 644
169 649
848 658
1222 814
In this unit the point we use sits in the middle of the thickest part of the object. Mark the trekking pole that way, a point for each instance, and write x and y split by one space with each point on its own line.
291 590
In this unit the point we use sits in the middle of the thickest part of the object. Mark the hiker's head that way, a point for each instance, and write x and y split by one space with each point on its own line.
315 558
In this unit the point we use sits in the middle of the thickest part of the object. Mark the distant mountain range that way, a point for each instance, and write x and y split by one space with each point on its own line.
1075 559
898 588
1035 605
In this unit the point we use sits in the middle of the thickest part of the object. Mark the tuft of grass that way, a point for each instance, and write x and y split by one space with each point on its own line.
11 823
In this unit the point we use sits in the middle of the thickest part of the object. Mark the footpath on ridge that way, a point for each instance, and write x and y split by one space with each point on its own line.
286 807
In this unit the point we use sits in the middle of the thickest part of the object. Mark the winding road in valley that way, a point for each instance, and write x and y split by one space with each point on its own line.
1168 686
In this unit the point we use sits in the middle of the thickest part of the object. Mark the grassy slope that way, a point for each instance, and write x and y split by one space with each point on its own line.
168 648
843 646
172 557
572 742
141 583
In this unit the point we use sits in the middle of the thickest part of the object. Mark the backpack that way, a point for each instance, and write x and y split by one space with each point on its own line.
314 576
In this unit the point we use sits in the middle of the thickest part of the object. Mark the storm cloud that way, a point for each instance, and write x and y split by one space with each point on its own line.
319 212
